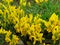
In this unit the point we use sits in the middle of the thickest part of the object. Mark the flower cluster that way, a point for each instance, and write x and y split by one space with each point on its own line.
53 25
11 40
30 25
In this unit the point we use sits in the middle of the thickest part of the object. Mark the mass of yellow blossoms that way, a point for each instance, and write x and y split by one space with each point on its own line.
27 24
53 25
12 41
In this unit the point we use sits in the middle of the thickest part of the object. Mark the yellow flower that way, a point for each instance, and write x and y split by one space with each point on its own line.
5 13
34 41
47 24
23 2
1 12
30 17
56 33
10 43
15 39
0 22
26 26
24 19
17 28
12 8
37 1
44 44
22 13
33 37
53 38
8 33
29 4
37 27
40 37
54 19
1 30
7 39
46 0
29 32
32 27
4 31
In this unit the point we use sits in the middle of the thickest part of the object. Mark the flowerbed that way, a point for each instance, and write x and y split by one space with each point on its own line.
33 26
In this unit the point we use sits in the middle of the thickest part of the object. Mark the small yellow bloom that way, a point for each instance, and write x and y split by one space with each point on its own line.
53 18
37 1
1 30
15 39
29 4
30 17
46 0
43 43
23 2
7 39
32 27
53 38
8 33
10 43
40 37
1 12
